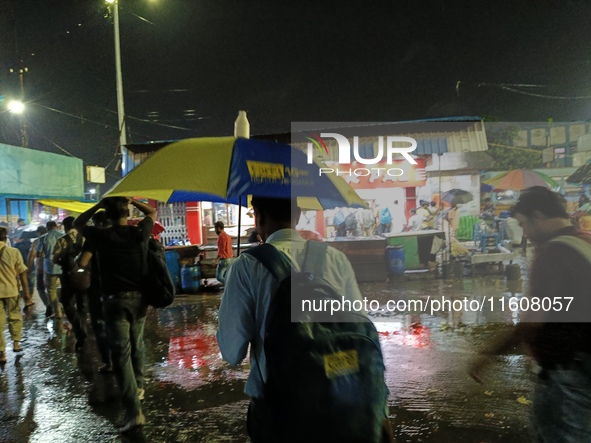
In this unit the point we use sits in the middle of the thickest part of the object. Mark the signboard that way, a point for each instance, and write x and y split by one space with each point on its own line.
398 174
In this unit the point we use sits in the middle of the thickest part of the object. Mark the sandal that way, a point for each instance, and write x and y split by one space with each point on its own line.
27 306
17 348
2 357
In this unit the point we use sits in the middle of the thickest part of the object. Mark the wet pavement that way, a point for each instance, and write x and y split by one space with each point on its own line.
50 393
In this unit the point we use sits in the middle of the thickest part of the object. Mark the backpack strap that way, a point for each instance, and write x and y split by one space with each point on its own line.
578 244
279 265
315 258
275 261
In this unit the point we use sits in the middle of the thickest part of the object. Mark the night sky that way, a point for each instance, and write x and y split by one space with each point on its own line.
190 65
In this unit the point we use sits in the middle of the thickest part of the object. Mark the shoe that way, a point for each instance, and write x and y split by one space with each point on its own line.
48 312
105 369
2 357
16 347
139 420
141 394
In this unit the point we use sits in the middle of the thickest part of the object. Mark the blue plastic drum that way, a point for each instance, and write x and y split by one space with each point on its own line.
174 268
191 279
395 260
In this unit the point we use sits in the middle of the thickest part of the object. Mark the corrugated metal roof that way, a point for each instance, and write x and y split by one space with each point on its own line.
433 145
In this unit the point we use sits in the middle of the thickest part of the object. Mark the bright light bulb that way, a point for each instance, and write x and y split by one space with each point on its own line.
16 107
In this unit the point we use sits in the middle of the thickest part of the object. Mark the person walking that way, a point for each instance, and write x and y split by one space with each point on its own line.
12 268
247 297
559 339
225 254
51 271
121 251
66 250
95 301
36 263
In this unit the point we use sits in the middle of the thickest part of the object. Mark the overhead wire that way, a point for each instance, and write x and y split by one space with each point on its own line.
512 87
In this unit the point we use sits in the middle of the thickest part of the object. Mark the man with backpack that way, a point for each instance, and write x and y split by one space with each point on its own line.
123 271
309 381
557 327
66 251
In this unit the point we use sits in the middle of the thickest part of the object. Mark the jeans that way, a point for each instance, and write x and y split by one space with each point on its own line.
125 316
97 320
222 269
562 403
31 283
74 304
259 423
51 285
9 307
41 289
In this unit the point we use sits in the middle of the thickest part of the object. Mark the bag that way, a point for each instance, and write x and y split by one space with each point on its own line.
79 278
158 290
325 380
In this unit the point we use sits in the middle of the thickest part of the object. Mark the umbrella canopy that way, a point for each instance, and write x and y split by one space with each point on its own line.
520 179
456 196
228 169
581 175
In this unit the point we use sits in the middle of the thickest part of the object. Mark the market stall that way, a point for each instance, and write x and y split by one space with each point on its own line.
420 247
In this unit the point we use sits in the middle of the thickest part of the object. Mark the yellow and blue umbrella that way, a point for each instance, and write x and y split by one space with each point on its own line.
228 169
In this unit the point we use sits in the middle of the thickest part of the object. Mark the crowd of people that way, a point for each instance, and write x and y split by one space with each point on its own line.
386 219
114 251
250 314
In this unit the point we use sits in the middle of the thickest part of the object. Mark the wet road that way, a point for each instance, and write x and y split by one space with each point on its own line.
50 393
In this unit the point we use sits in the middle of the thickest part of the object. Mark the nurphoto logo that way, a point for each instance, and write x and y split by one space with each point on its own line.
385 145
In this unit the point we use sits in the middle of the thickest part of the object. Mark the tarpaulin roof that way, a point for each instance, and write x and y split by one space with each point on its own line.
26 173
71 206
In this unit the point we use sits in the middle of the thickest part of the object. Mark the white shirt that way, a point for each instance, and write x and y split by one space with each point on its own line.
415 221
247 294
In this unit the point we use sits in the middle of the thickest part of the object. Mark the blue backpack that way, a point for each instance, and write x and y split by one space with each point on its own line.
325 379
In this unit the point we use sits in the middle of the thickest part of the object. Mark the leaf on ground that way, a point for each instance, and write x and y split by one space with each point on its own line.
524 401
489 393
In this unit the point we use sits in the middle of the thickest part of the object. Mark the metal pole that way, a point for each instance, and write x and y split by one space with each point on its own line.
120 104
24 134
239 225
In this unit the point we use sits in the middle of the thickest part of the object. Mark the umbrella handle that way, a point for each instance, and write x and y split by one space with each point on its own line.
239 225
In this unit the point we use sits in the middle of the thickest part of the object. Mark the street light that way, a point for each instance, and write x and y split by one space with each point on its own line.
16 106
120 105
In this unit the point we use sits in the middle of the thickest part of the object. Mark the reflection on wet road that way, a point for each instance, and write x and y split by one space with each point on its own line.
52 394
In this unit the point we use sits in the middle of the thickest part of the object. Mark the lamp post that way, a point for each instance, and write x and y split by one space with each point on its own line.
18 106
120 104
